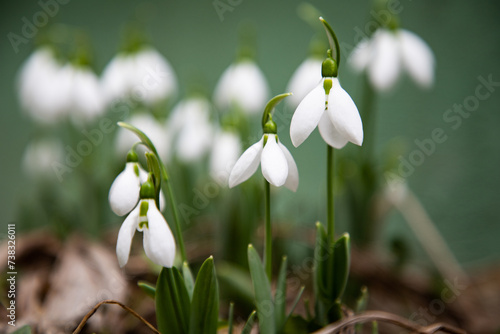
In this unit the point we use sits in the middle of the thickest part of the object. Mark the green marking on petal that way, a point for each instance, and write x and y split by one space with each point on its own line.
143 211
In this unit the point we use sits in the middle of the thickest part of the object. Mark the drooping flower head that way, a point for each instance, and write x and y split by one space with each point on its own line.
329 107
159 243
390 51
277 164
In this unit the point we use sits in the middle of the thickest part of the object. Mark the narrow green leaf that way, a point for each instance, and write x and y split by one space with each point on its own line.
205 304
362 300
172 302
230 320
26 329
188 279
154 167
332 40
262 292
321 263
341 263
271 105
280 297
249 325
294 305
147 288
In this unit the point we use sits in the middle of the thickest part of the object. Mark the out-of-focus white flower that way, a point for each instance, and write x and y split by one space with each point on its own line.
277 164
50 91
85 98
159 243
329 107
226 149
242 85
148 124
190 124
388 52
144 76
40 155
303 80
43 87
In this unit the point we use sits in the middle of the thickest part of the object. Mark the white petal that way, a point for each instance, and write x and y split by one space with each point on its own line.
361 55
292 180
344 114
125 236
330 134
417 58
307 115
247 164
159 243
124 192
273 162
303 80
87 96
386 65
242 85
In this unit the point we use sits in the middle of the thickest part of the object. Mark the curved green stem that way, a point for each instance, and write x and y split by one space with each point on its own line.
268 236
330 212
332 40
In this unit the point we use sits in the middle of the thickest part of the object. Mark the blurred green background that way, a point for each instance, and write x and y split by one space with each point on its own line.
458 184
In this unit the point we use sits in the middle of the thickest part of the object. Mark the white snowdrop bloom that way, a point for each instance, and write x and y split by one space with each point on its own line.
226 149
40 155
329 107
43 86
277 164
303 80
148 124
158 242
144 76
85 100
244 86
191 126
124 192
388 52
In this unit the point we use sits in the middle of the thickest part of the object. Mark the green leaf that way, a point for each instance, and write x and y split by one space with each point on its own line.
154 167
188 279
271 105
332 40
262 292
321 261
280 297
248 326
23 330
172 302
295 302
230 319
205 304
362 300
147 288
341 263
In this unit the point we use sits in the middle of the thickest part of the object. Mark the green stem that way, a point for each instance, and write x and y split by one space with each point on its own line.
175 213
268 238
330 209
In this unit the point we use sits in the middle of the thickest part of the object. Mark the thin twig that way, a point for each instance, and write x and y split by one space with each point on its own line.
389 318
126 308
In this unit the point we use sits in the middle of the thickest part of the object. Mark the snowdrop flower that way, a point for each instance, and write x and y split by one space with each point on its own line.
190 123
226 149
145 76
390 51
159 243
304 79
148 124
277 164
242 85
43 87
85 98
329 107
40 155
124 192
